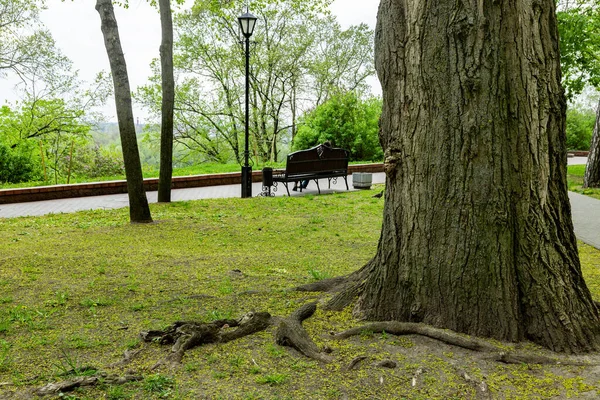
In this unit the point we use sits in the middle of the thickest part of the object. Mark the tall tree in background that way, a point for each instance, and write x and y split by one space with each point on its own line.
168 101
139 211
477 234
579 25
591 179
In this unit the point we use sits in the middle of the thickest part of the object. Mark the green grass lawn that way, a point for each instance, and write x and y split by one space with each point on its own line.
77 289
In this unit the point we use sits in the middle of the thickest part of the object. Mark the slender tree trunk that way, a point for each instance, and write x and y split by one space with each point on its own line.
293 106
138 203
477 234
168 101
592 169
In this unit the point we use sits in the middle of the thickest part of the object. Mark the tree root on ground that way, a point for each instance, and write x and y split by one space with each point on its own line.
291 333
186 335
128 356
346 288
460 340
72 384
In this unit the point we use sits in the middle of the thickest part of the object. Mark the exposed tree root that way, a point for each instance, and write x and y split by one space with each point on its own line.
460 340
523 358
325 285
345 297
290 332
69 385
355 361
407 328
184 335
128 356
347 288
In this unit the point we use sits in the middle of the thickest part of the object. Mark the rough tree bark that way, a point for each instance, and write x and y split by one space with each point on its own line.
168 101
138 202
477 234
592 169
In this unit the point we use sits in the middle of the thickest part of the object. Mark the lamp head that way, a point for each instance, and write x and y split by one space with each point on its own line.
247 22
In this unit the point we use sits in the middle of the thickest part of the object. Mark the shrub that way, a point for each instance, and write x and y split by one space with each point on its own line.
93 161
580 125
17 167
347 121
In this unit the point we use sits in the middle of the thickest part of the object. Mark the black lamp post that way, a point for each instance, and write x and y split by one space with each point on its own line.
247 22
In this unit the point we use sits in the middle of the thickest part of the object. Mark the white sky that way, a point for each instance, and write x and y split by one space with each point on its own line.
75 26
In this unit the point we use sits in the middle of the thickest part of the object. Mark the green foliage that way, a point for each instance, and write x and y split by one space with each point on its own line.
346 121
17 167
299 56
52 124
93 161
579 28
580 125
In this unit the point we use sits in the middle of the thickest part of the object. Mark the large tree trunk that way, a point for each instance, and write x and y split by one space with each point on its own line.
592 169
138 203
477 234
168 100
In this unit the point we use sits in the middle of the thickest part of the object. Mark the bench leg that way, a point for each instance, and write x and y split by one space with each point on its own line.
346 180
286 188
318 188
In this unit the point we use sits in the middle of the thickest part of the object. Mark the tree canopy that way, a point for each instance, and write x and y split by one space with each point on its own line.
300 57
579 27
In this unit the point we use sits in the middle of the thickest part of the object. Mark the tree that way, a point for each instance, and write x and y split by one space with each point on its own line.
477 234
579 24
591 179
139 211
579 28
304 57
346 121
27 50
168 102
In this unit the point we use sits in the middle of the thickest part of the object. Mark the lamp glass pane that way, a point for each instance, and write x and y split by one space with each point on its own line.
251 24
243 25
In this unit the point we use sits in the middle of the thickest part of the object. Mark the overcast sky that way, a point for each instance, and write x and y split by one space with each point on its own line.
76 28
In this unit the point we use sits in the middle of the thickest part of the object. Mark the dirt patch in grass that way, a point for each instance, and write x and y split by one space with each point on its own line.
76 290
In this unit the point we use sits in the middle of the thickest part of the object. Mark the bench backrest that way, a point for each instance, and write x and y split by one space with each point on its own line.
317 159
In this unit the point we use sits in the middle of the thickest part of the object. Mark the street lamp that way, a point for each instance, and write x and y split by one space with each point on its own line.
247 22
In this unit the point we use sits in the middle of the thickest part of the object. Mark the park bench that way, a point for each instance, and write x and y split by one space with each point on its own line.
320 162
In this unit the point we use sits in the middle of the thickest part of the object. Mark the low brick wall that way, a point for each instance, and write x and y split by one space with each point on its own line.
578 153
8 196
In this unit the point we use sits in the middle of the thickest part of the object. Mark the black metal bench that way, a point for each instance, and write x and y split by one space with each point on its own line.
320 162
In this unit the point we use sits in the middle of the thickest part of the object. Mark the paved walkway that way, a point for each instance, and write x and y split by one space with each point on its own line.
586 218
37 208
585 210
